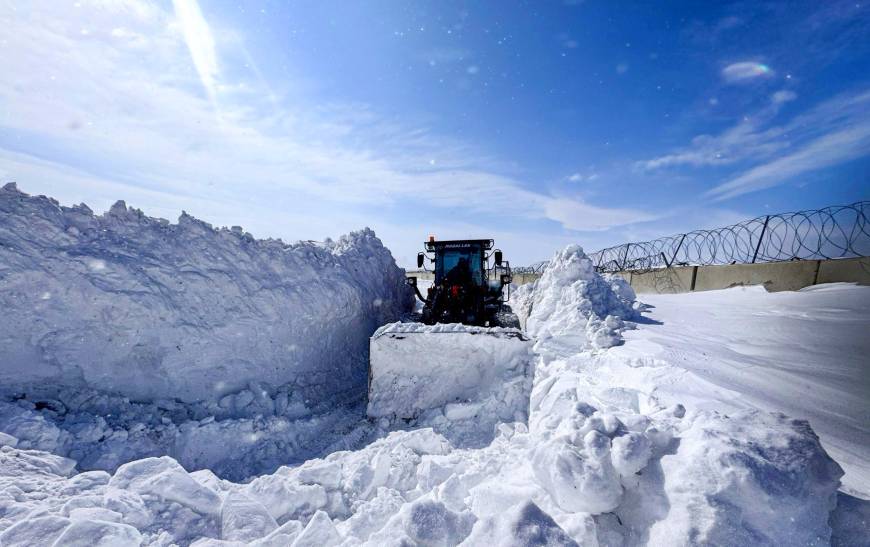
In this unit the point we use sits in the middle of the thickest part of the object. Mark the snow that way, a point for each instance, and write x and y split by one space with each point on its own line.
620 441
459 379
802 353
522 525
127 336
135 306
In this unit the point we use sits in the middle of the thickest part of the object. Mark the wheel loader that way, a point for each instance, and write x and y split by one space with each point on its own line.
465 342
466 289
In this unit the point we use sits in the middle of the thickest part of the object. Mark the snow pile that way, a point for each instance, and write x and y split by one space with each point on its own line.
597 464
627 481
573 304
136 306
459 379
651 473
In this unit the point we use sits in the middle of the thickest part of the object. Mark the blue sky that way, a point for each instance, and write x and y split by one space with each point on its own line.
536 123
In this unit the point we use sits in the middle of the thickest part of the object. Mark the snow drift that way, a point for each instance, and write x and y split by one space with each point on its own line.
136 306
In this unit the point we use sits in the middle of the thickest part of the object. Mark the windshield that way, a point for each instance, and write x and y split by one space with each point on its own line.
457 266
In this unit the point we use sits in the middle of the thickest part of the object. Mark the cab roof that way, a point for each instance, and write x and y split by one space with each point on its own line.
487 244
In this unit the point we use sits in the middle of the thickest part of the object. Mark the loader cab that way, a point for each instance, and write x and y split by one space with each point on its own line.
466 289
459 262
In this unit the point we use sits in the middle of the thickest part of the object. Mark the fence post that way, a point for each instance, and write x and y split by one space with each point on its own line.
760 238
677 250
625 257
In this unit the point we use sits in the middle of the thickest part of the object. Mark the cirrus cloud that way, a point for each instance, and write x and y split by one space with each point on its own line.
745 71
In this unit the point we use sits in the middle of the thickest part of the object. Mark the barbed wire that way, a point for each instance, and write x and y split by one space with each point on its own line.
536 268
838 231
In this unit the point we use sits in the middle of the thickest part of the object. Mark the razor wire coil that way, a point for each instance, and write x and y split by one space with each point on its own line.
839 231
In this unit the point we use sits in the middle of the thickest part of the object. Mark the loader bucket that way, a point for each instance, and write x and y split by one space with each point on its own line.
454 369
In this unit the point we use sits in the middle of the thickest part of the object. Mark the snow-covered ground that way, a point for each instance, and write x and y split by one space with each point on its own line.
643 425
804 353
614 452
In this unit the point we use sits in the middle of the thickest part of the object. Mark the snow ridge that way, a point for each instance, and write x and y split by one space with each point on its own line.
136 306
126 336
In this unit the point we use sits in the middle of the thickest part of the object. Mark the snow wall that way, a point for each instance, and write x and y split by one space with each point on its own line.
136 306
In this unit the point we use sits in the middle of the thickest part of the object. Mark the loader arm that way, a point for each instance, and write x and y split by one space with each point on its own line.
413 282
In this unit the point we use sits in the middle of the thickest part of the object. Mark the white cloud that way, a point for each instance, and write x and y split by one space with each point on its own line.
136 127
745 71
755 138
840 146
577 215
783 96
578 177
197 35
834 132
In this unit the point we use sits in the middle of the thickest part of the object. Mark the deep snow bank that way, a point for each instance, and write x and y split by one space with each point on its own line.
133 305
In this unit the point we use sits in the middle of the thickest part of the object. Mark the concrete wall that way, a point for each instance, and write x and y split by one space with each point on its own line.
774 276
419 274
663 281
848 269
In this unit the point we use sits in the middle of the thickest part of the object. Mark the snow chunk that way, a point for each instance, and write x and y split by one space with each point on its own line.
572 303
748 478
370 516
96 533
524 524
579 479
319 532
285 498
164 478
243 519
283 536
630 453
8 440
431 523
38 531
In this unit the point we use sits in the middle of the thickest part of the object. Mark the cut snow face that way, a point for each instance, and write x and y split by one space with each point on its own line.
128 330
461 380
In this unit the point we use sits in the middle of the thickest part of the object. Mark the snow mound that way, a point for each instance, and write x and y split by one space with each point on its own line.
748 478
136 306
522 525
575 305
461 380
